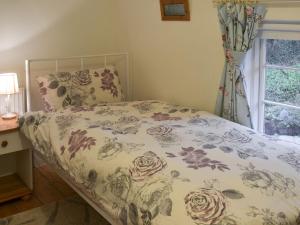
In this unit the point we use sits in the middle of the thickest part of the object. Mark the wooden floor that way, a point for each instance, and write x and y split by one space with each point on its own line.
48 187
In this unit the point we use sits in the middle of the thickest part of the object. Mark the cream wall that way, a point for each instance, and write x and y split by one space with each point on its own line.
55 28
179 62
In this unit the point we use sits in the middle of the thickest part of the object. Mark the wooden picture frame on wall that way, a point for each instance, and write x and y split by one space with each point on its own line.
175 10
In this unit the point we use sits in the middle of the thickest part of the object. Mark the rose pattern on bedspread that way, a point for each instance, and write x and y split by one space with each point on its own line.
234 141
270 217
153 163
146 165
78 140
164 116
206 206
113 147
196 159
140 204
291 158
267 182
164 135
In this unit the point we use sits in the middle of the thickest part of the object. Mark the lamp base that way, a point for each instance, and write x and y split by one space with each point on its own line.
9 116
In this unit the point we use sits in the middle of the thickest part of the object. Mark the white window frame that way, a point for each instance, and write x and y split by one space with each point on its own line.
261 89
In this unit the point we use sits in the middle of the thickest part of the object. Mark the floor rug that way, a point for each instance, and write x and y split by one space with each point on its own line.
72 211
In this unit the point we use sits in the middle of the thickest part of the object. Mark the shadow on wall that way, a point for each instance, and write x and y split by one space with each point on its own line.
40 29
23 20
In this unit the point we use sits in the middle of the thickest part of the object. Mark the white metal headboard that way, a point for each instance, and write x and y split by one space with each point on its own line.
79 62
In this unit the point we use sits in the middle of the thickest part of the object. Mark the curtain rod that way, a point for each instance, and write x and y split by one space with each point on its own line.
270 3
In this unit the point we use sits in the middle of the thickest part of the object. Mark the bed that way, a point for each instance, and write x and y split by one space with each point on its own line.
150 162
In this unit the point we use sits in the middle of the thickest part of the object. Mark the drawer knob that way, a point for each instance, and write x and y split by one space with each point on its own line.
4 144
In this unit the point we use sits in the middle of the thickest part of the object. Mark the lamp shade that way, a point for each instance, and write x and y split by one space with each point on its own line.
8 83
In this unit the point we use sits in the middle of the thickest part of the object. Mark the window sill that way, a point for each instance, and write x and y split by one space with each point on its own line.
288 141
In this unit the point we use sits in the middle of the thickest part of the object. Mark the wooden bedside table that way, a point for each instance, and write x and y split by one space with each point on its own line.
16 180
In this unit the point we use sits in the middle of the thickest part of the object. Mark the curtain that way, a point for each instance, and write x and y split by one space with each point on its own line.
239 24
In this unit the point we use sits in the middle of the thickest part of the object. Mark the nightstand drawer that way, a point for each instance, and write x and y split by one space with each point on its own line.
12 142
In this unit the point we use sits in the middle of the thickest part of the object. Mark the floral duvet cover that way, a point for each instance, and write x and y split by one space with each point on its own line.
149 162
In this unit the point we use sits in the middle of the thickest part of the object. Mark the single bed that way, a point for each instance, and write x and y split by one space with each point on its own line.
150 162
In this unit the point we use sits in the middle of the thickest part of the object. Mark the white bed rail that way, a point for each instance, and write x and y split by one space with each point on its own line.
82 61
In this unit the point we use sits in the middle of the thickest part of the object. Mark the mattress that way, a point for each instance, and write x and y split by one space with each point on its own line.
154 163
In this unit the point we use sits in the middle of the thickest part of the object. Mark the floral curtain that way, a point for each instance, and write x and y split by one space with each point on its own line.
239 23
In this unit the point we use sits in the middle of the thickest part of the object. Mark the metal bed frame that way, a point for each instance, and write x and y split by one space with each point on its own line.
28 63
128 92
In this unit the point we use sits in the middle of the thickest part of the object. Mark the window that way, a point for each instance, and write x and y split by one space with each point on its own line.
272 76
279 89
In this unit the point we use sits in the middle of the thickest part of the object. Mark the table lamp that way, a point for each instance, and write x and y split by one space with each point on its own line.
8 85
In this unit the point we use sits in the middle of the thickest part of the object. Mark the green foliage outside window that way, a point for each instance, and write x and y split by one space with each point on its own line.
283 86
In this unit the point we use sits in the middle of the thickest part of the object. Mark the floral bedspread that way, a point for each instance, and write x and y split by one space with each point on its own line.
149 162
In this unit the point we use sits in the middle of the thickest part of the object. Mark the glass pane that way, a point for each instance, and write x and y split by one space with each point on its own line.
283 86
283 53
282 121
174 10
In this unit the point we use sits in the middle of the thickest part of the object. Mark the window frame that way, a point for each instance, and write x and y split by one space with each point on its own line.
261 84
